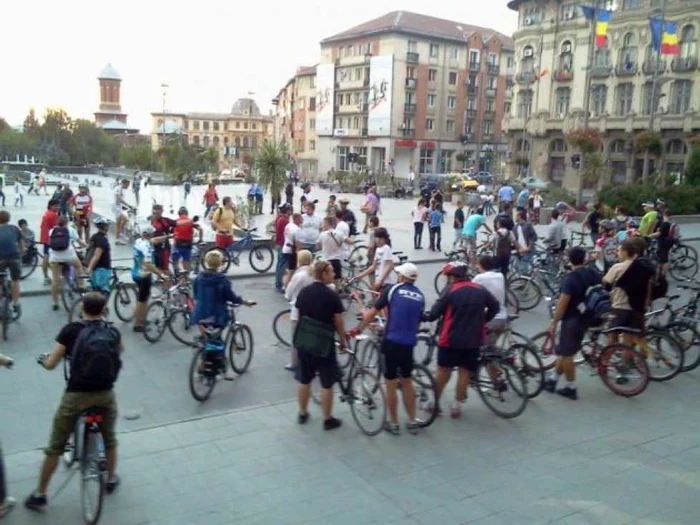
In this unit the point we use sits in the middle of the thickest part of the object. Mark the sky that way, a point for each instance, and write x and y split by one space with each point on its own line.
209 53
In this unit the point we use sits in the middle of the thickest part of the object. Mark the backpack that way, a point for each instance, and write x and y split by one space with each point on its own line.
596 302
503 245
95 361
673 232
60 239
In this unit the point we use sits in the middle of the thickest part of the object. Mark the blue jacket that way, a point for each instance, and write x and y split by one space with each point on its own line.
212 291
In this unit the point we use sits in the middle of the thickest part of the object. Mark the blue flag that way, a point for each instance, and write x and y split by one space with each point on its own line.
588 12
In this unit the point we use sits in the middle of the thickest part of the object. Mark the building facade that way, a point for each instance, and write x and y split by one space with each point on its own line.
110 117
245 128
551 87
407 92
295 120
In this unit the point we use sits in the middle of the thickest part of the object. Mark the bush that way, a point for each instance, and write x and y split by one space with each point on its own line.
554 194
681 200
692 169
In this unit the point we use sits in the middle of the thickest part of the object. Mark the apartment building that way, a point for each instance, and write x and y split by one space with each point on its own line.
553 37
295 120
244 127
409 92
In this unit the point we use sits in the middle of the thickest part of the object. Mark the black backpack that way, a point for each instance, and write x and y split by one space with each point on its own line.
596 303
95 360
503 245
60 239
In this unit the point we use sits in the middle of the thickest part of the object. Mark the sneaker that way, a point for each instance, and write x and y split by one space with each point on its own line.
331 423
229 375
47 281
17 309
456 410
303 418
290 367
112 484
568 392
34 502
392 428
550 385
55 308
413 426
7 506
138 329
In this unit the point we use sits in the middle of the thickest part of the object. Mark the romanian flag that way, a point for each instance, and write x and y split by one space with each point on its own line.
664 36
601 18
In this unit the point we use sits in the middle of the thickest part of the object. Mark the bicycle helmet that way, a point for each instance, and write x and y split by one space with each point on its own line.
608 225
456 268
101 220
182 211
633 224
82 186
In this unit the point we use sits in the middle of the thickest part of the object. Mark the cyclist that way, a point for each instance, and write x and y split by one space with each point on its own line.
82 206
163 227
119 205
348 215
48 220
556 233
99 258
62 253
310 227
10 250
382 266
649 220
183 234
142 270
494 281
222 221
470 229
291 245
405 304
464 308
90 345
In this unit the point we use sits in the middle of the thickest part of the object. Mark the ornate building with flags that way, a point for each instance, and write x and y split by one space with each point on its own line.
612 64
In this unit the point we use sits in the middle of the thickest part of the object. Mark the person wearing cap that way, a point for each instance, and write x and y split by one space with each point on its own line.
183 235
348 215
382 266
82 206
142 269
99 266
405 304
648 224
280 224
223 221
163 227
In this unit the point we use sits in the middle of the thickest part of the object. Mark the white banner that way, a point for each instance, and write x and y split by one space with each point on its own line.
381 84
325 82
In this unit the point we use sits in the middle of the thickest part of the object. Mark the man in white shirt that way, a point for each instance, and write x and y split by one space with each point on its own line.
289 248
119 205
495 283
310 228
331 244
342 228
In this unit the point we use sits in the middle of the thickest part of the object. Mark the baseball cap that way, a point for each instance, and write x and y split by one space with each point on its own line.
648 205
408 270
344 200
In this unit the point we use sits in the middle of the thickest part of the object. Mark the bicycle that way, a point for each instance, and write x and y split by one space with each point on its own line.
512 301
7 314
171 310
260 256
30 258
125 297
132 228
682 258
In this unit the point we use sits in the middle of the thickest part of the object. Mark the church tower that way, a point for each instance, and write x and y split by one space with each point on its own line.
110 116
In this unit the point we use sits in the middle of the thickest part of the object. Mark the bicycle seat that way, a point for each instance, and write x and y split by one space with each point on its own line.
397 253
121 269
403 258
94 414
209 322
513 317
621 329
425 330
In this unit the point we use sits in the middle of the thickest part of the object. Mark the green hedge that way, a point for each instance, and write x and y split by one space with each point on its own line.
681 200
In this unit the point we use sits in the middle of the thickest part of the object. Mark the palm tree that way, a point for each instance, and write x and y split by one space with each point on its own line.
271 163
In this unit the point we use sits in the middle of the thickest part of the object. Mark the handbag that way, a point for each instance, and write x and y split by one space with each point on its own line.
314 337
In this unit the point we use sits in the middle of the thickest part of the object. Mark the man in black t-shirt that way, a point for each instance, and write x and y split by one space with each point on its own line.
458 224
573 293
100 264
664 236
592 222
318 302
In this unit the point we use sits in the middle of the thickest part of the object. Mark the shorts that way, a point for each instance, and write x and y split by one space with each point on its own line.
63 256
459 358
626 318
570 337
494 330
14 267
471 243
290 260
144 285
662 254
81 218
161 258
181 252
119 212
46 249
398 360
337 268
326 368
72 405
100 278
223 241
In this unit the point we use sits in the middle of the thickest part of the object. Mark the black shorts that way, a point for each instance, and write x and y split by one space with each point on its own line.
337 268
161 258
459 358
290 260
310 365
398 360
144 285
662 254
14 268
46 249
626 318
570 337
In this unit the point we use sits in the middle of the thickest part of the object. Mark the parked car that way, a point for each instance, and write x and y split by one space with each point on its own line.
534 183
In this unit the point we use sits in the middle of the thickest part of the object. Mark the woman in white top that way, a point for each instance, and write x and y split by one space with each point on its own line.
289 249
382 266
303 277
63 234
419 216
331 244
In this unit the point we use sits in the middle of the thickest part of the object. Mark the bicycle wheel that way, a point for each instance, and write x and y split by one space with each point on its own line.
683 267
261 258
370 357
367 403
125 298
5 313
74 312
426 395
155 321
71 451
502 389
664 355
623 370
359 257
688 337
440 282
240 348
201 383
29 262
92 476
423 351
68 294
282 327
182 329
225 257
527 291
529 366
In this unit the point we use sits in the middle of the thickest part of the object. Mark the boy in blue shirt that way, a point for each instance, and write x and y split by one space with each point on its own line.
434 222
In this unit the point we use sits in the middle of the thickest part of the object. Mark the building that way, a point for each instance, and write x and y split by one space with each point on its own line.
295 120
554 37
411 92
110 116
244 128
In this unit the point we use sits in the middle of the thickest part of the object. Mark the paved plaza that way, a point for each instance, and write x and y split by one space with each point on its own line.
240 457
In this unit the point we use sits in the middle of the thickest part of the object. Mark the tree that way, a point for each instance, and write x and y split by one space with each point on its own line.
272 162
593 167
31 126
139 156
692 169
208 160
3 125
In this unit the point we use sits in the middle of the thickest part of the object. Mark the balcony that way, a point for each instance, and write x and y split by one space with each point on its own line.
487 137
525 79
600 71
466 137
508 94
681 65
490 92
563 75
410 83
354 60
471 113
471 89
489 114
409 109
474 66
653 65
494 69
412 58
408 133
627 69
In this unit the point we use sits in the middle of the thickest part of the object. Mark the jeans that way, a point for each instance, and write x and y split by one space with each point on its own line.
280 268
458 238
417 234
435 238
525 263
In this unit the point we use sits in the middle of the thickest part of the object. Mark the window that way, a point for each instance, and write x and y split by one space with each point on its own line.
625 92
568 11
522 145
356 98
302 103
432 75
601 57
238 125
492 59
434 50
426 162
238 142
254 143
347 99
473 57
255 126
453 53
527 64
524 103
630 4
507 107
531 16
680 101
412 46
488 127
225 126
429 124
565 56
205 125
195 124
312 82
557 146
451 102
468 127
205 142
246 142
312 123
355 123
410 97
617 147
599 94
216 142
431 100
361 155
492 82
452 78
628 53
510 62
471 103
490 106
358 73
450 126
245 125
312 145
312 103
196 140
675 147
688 42
225 141
343 162
216 126
647 102
410 72
339 99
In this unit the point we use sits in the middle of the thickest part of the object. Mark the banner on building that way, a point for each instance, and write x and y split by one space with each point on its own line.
381 85
325 82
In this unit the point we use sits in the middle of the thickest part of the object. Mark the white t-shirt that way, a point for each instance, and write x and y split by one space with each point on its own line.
495 283
300 280
291 231
18 188
118 197
343 229
310 228
68 254
331 245
419 214
381 256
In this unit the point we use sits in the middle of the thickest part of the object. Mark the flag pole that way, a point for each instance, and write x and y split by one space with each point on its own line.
586 103
654 83
531 136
